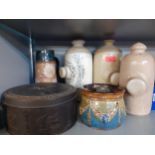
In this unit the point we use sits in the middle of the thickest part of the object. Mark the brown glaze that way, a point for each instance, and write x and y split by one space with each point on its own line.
102 106
101 91
46 72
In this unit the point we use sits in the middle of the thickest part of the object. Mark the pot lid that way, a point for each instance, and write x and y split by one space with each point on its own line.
39 95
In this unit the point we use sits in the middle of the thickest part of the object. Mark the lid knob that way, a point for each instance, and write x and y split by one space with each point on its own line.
65 72
138 48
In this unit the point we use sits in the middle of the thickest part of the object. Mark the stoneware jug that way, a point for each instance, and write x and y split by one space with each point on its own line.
107 64
78 65
137 76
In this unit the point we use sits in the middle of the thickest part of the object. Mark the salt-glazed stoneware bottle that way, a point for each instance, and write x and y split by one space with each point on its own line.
78 65
137 74
107 64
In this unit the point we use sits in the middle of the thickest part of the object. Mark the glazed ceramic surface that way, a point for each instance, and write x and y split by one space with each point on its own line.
137 76
45 67
102 106
107 64
153 99
78 65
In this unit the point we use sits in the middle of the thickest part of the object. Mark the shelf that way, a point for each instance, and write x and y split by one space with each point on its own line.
17 39
134 125
62 31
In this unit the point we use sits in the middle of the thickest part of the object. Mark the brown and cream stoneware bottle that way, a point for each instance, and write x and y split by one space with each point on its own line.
107 64
137 74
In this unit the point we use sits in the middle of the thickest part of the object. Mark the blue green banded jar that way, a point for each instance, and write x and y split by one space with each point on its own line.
45 67
102 106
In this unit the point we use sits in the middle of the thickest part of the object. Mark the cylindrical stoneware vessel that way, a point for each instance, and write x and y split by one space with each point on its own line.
137 76
78 65
40 109
107 64
45 67
102 106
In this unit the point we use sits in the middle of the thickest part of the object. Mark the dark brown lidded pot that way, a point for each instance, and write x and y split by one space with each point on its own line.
38 109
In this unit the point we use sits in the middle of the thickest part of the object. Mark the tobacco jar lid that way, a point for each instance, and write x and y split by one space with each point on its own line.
103 91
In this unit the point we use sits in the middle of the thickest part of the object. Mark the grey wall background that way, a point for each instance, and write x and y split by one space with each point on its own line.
14 66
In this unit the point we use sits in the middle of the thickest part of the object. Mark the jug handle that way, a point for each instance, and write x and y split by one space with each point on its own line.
65 72
114 78
136 86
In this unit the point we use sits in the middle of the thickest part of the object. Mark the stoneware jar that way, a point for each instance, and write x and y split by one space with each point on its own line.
78 65
45 68
102 106
107 64
137 76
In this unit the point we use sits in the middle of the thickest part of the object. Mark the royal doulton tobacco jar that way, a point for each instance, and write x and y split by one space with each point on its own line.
137 74
107 64
102 106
